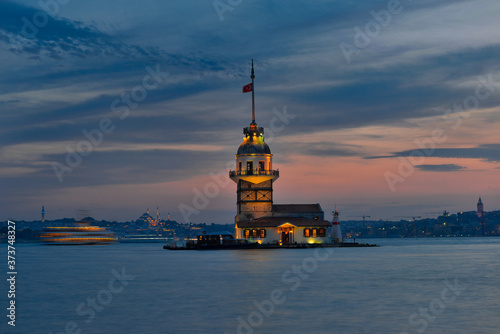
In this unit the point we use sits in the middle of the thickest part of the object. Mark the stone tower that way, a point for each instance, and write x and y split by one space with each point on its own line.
254 174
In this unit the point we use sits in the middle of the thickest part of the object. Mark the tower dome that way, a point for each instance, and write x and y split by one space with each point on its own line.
253 143
254 158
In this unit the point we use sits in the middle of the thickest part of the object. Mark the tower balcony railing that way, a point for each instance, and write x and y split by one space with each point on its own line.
253 172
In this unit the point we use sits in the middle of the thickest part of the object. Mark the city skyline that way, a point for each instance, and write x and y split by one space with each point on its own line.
362 217
379 109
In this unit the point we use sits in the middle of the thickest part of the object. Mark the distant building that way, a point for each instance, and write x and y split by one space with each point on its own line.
258 218
480 215
147 219
43 214
480 208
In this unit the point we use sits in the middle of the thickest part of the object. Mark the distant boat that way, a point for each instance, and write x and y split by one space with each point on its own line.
143 238
81 234
211 241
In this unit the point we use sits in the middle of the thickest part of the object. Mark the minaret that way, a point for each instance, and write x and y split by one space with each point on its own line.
43 214
157 215
254 175
480 215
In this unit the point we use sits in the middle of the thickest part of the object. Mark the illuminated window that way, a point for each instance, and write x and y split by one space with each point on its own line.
322 232
307 233
247 233
255 233
314 233
262 233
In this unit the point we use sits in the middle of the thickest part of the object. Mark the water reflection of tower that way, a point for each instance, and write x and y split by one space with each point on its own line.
480 215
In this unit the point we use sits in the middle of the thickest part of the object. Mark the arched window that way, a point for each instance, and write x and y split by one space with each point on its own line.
307 232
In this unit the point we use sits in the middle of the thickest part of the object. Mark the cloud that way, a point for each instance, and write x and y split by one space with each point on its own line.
32 31
486 152
100 168
322 149
440 168
64 79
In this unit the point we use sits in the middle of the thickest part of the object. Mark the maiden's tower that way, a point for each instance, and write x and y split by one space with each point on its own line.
258 218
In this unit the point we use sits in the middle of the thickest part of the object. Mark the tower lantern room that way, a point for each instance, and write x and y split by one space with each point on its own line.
254 159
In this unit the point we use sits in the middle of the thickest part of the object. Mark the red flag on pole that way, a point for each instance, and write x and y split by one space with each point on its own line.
248 88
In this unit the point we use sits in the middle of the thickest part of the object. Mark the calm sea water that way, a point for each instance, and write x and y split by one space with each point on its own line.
405 286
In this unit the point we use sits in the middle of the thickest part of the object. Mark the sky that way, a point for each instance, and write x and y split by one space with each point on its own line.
382 108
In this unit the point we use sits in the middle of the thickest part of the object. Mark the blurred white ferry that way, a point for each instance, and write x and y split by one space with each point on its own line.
81 234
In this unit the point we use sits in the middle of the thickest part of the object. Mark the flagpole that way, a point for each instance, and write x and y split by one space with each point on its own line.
253 96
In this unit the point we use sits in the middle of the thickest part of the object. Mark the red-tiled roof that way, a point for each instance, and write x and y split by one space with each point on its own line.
297 208
277 221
